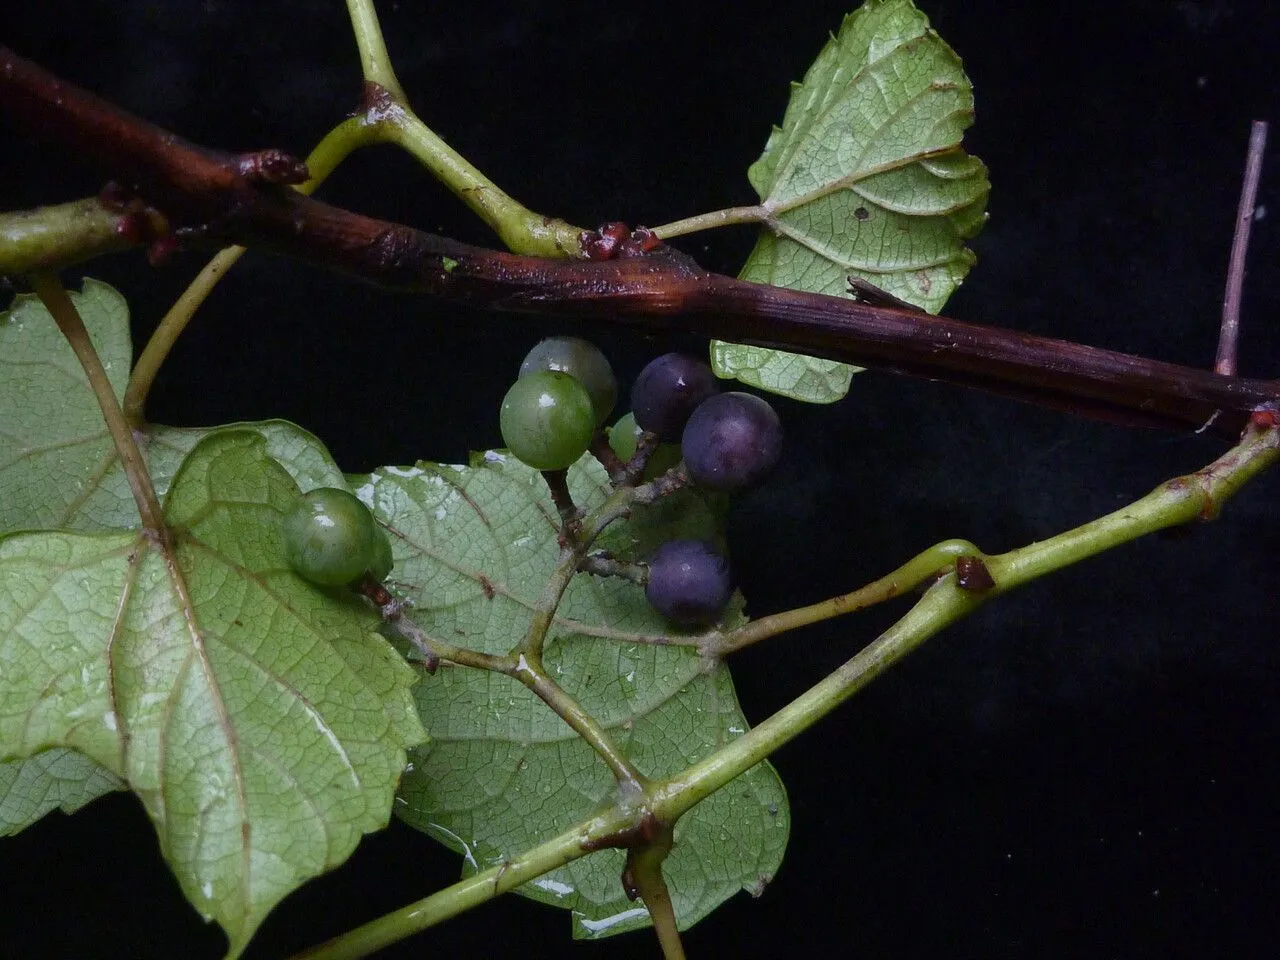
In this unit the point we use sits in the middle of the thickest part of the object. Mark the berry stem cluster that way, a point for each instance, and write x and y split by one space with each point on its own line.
1197 496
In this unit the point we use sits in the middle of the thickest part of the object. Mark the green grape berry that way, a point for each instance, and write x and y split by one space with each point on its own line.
583 361
547 419
380 566
624 437
331 539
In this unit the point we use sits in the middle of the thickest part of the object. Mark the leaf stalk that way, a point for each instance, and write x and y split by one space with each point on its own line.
728 217
52 294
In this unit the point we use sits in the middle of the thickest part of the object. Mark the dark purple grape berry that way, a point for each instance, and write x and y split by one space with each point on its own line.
668 390
731 442
689 583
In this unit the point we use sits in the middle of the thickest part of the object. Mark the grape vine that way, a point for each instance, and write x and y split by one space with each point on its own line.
522 656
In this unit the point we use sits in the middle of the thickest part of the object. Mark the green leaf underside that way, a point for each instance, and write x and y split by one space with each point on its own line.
51 439
262 722
865 177
474 546
57 779
58 467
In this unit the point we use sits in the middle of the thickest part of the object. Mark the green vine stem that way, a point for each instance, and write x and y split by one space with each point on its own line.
1199 495
930 563
51 293
56 236
520 229
1184 499
643 878
375 62
479 888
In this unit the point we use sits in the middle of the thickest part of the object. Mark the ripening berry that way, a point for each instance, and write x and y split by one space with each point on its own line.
668 390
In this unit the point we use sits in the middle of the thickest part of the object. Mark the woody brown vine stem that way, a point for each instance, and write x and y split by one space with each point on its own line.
211 197
1229 331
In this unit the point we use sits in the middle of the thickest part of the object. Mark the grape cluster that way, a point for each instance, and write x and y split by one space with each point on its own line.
727 441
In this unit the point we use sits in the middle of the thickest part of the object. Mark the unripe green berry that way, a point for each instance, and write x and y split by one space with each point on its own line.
382 563
624 437
330 537
583 361
547 420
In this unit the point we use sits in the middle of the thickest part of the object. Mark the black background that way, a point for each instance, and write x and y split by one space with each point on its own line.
1087 768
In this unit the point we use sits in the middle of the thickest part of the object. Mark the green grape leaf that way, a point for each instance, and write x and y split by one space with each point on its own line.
57 779
263 722
58 467
866 178
474 547
52 438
